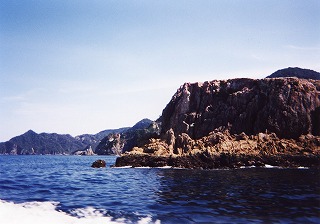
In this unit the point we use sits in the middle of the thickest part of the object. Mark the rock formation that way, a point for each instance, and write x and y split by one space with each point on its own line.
272 120
98 164
86 152
119 142
221 149
281 105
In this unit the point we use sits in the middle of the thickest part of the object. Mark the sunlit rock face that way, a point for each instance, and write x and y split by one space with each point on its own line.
237 122
285 106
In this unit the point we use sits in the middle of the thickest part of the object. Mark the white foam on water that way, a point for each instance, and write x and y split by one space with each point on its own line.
303 167
45 212
148 220
164 167
246 167
121 167
270 166
142 167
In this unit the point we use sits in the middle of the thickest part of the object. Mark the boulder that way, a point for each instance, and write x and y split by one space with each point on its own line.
98 164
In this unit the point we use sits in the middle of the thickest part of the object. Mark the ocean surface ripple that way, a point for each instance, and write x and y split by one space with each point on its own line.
65 189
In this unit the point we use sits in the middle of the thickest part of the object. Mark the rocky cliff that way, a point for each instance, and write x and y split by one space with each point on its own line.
120 142
238 119
285 106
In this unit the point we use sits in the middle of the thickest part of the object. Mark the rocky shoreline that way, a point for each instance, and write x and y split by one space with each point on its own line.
234 123
202 161
229 152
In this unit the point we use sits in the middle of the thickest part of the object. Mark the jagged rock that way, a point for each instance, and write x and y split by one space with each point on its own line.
170 140
98 164
86 152
236 122
117 143
285 106
221 149
111 144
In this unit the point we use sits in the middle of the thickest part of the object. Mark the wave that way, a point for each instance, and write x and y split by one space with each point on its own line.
147 167
46 212
267 166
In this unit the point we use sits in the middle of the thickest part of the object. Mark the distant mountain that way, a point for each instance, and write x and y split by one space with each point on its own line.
296 72
44 143
32 143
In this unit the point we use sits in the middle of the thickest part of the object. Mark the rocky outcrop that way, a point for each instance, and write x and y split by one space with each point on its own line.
86 152
272 120
98 164
117 143
285 106
220 149
93 140
110 145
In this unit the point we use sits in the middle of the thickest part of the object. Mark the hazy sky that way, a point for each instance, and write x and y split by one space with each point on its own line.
85 66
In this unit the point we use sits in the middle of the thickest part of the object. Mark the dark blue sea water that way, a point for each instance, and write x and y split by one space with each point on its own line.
65 189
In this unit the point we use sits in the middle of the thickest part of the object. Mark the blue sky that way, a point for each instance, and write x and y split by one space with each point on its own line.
85 66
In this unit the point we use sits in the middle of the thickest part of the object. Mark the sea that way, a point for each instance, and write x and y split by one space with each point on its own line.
51 189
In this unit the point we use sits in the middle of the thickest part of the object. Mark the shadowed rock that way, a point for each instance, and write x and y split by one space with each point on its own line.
280 105
98 164
236 122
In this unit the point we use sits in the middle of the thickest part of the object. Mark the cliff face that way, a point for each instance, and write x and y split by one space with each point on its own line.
289 107
237 122
120 142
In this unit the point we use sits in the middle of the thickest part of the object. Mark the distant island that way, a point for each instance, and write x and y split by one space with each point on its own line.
102 143
237 122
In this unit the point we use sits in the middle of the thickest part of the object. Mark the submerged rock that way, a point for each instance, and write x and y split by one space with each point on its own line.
98 164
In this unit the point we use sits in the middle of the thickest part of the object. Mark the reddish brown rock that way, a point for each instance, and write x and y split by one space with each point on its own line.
288 107
221 149
237 122
99 164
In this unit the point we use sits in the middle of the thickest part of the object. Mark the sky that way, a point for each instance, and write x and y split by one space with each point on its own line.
83 66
